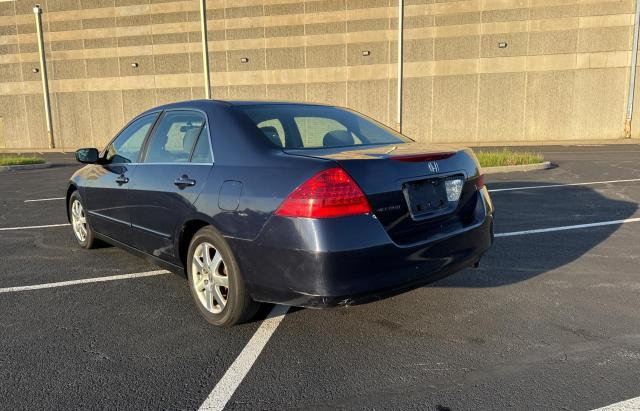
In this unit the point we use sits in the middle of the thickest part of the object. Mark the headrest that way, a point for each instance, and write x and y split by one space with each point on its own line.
338 138
272 134
189 138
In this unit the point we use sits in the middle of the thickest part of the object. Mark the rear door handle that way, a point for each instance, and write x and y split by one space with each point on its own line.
184 181
122 179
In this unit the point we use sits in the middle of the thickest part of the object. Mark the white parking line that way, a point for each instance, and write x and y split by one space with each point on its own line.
83 281
568 227
628 405
33 227
497 190
225 388
44 199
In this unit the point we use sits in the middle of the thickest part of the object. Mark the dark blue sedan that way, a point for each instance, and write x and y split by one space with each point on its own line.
300 204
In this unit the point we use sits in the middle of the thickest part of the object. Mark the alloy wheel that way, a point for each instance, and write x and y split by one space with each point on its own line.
209 277
79 221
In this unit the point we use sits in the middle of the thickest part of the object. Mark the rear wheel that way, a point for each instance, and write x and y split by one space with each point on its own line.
79 222
216 283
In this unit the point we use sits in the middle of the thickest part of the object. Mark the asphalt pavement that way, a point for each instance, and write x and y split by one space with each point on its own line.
548 321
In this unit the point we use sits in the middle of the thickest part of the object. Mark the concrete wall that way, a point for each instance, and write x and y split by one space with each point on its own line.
563 75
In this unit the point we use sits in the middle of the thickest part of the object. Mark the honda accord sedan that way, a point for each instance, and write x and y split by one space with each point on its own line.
301 204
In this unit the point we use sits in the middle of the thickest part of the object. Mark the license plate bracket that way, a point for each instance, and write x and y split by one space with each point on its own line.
426 197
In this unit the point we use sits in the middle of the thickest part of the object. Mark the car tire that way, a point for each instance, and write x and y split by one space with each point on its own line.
217 286
80 222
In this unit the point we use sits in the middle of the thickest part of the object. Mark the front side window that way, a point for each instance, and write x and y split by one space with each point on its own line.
310 126
175 137
126 147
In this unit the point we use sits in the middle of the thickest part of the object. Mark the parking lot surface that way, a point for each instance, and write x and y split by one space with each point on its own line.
549 320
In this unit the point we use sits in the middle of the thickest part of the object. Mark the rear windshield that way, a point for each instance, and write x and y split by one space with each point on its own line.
307 126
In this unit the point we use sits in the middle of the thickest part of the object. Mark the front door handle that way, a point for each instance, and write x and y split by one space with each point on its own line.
184 181
122 179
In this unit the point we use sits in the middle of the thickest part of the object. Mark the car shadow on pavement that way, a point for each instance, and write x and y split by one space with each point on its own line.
520 257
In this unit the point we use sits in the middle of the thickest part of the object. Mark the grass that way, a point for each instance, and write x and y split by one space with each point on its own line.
17 160
506 157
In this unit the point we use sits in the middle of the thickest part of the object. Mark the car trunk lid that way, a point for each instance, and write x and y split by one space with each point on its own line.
405 183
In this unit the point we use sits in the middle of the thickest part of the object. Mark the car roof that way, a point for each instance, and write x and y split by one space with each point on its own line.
269 102
203 103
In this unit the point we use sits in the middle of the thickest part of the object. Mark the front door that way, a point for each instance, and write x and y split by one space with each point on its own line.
107 182
168 180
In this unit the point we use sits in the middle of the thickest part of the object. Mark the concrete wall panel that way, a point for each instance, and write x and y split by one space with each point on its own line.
326 55
13 125
171 63
370 98
517 44
455 104
455 48
10 72
553 42
217 62
501 107
285 58
248 92
68 69
605 39
35 124
286 92
550 118
172 95
74 123
328 93
256 60
135 102
600 102
379 53
106 116
418 93
108 67
607 7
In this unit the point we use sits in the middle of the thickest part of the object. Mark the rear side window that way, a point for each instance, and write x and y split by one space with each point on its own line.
126 147
310 126
202 150
175 137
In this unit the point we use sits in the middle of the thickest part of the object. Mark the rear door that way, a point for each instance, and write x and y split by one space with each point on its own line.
106 184
174 169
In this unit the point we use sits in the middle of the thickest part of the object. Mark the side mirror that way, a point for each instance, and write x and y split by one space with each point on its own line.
87 155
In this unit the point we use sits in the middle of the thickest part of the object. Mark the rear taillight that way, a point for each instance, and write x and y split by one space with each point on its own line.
480 181
330 193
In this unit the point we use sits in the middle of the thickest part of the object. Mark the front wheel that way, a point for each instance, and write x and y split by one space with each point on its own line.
79 222
216 283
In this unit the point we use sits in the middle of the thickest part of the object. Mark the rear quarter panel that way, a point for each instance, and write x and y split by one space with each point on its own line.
266 173
264 187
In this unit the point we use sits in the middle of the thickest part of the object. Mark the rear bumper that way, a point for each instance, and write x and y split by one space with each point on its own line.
352 260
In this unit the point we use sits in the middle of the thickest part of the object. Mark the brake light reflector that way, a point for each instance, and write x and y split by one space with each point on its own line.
418 158
330 193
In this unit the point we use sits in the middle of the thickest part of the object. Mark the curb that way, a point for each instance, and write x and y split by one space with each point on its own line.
25 167
525 167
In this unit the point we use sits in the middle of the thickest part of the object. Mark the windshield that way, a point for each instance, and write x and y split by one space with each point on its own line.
310 126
